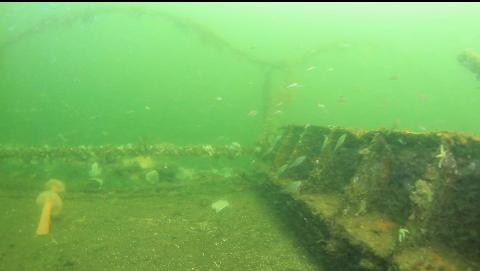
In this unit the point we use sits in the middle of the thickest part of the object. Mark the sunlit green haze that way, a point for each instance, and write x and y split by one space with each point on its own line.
221 73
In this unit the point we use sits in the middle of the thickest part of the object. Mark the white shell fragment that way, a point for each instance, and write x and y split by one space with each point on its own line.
220 205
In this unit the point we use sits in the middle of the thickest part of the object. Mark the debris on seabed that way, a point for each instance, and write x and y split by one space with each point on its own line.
402 234
219 205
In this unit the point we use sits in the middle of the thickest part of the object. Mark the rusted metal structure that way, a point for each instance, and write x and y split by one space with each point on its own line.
381 200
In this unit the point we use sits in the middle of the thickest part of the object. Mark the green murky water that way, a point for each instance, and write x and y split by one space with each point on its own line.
75 75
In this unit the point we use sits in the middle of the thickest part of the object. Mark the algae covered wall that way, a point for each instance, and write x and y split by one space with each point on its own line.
122 168
393 191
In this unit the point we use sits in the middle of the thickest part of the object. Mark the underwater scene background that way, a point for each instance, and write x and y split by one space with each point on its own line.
239 136
111 73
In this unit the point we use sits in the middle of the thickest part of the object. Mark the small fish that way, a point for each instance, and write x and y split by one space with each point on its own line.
62 137
311 68
95 170
293 85
99 181
282 169
147 107
152 176
364 151
470 59
252 113
393 78
273 145
325 142
219 99
297 161
322 106
340 141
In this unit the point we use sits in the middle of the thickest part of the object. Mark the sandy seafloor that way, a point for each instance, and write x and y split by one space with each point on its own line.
167 229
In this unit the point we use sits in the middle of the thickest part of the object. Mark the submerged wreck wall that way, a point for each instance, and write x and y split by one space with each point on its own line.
122 168
382 200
